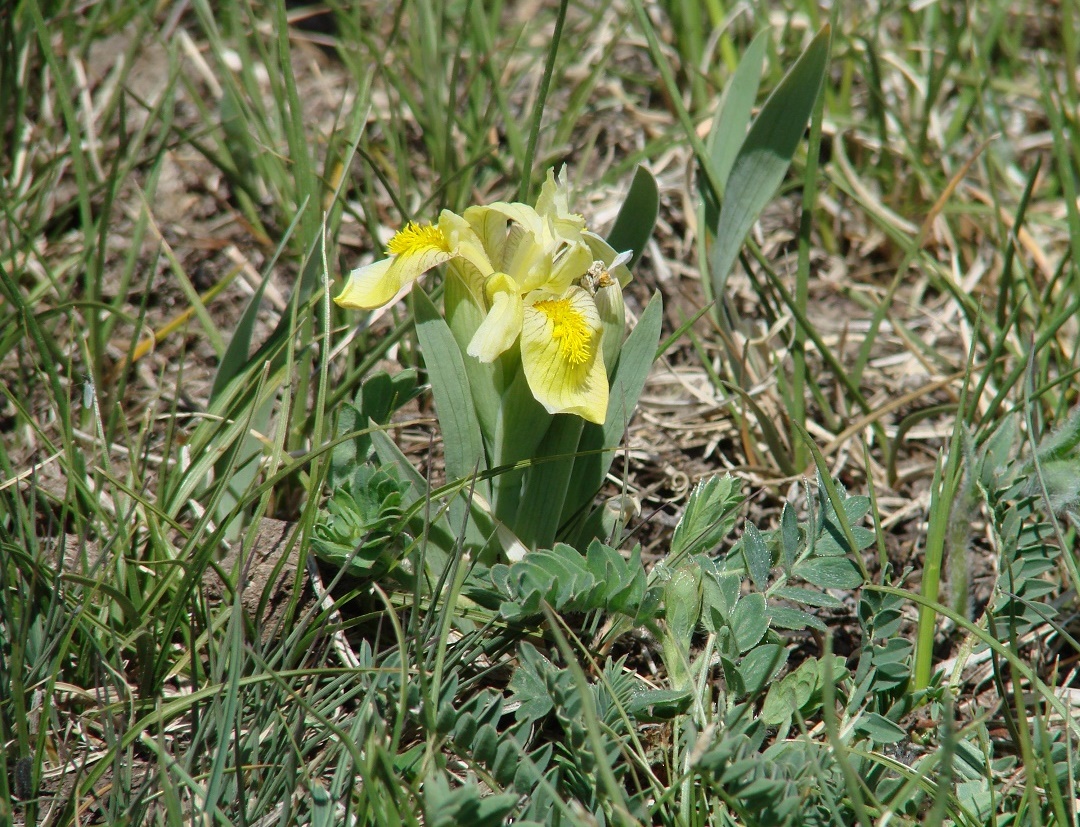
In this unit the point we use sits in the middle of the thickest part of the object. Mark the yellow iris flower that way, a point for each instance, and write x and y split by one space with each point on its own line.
527 270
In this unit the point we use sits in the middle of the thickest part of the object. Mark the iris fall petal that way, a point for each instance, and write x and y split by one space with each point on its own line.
561 354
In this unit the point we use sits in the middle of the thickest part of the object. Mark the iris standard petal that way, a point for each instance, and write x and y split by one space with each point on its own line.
517 241
554 205
573 262
561 354
489 227
500 328
523 214
465 243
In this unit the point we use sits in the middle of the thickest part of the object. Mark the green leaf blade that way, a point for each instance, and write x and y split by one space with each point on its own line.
637 216
830 573
462 441
731 121
766 154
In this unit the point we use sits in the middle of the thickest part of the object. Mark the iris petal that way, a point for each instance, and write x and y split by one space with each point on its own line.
500 328
413 251
561 354
554 205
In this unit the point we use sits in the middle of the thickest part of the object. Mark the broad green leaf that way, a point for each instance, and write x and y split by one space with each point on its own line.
637 216
446 806
979 799
998 450
790 539
787 696
358 527
758 558
528 687
830 573
784 617
735 684
896 650
780 704
659 704
804 682
766 154
547 483
760 666
856 507
731 120
808 597
682 602
635 362
389 454
708 517
351 453
720 596
462 442
623 580
520 424
880 729
601 580
833 543
487 380
749 621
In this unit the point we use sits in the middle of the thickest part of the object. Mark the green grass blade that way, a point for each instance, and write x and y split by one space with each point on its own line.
540 102
948 478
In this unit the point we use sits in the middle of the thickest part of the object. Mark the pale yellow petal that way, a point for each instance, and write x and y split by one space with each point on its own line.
561 355
413 251
409 267
501 283
500 328
490 228
574 261
554 205
529 257
368 287
553 198
516 240
523 214
465 243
